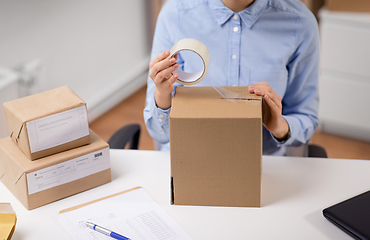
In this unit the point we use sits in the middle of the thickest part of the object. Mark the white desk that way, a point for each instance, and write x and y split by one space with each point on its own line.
294 192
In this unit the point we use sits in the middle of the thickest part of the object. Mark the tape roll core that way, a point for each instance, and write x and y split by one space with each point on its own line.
189 44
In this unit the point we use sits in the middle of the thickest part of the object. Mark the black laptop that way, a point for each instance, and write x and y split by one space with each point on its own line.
352 215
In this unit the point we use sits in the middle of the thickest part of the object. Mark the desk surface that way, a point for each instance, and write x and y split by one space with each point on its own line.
294 193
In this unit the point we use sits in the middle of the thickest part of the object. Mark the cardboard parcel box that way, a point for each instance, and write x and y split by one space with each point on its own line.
47 123
216 148
348 6
36 183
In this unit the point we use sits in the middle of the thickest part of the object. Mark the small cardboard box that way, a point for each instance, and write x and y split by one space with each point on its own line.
47 123
348 6
216 148
36 183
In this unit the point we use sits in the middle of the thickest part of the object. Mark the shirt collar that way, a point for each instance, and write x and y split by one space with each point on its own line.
249 16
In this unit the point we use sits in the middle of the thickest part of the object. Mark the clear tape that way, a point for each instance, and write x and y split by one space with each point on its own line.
185 78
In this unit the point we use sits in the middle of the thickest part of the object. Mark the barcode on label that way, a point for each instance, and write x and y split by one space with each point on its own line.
98 154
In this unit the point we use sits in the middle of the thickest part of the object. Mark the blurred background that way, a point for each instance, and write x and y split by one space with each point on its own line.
101 50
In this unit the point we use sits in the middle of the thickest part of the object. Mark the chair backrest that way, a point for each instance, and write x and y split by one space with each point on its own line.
306 150
127 134
316 151
301 151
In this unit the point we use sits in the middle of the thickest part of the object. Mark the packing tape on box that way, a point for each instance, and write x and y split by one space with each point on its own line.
185 78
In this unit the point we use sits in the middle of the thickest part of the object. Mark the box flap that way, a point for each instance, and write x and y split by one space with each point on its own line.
45 103
9 171
187 97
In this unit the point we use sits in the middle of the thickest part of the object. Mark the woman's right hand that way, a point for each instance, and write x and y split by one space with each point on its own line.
160 72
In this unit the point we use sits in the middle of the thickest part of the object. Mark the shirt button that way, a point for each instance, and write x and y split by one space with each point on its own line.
236 17
161 132
233 57
161 116
236 29
160 120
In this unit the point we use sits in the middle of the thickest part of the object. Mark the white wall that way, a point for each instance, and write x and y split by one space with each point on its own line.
345 74
98 48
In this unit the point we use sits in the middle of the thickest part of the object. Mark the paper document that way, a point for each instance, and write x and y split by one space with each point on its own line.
133 214
57 129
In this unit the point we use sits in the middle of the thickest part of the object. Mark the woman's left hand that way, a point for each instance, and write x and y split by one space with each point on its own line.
271 110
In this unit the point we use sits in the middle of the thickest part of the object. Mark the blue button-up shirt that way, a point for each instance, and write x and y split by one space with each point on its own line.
274 41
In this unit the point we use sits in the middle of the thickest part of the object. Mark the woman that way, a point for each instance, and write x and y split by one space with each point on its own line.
272 46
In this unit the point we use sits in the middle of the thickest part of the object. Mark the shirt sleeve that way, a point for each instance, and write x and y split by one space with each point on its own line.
156 119
300 103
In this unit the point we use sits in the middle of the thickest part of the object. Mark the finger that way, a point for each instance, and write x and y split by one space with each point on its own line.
160 57
168 84
272 104
176 56
260 86
273 96
263 89
163 66
165 74
260 90
172 79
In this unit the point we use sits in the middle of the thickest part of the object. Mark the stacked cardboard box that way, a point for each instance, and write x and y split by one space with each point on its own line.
51 152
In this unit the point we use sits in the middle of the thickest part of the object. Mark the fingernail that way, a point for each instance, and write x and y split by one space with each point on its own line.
172 60
167 52
176 66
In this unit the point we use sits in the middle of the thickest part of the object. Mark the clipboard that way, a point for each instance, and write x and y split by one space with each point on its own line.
132 213
8 219
96 200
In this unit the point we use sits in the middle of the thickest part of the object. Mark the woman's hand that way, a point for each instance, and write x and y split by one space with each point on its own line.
271 110
160 72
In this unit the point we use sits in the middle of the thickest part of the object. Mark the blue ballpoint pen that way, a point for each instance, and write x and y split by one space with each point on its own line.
105 231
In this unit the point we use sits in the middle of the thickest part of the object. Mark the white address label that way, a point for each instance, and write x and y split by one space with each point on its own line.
57 129
68 171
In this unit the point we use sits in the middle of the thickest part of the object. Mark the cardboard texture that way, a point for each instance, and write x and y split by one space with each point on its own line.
216 148
14 167
348 6
20 111
8 219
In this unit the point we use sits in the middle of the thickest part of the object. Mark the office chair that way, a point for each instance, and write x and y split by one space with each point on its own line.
127 134
306 150
316 151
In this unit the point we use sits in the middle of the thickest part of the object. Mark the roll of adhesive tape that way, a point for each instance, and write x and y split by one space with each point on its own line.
189 44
